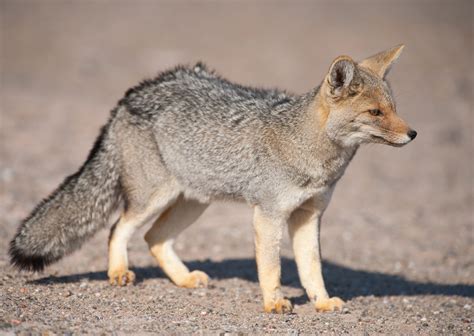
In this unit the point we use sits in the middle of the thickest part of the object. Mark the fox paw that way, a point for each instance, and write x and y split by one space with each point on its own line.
279 306
121 278
328 304
194 279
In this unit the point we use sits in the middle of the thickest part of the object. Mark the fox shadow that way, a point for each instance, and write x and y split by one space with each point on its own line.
341 281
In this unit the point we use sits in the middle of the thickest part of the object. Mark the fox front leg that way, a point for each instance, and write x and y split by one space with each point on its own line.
268 233
304 227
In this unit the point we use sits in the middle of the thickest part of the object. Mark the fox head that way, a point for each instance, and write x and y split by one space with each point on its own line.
357 102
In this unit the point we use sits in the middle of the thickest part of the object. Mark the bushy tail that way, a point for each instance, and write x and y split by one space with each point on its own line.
79 207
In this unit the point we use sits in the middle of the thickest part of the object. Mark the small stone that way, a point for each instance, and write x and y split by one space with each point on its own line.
67 293
467 306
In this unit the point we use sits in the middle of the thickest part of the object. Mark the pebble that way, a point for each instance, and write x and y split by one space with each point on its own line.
467 306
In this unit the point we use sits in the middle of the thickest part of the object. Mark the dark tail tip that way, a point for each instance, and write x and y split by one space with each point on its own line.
23 261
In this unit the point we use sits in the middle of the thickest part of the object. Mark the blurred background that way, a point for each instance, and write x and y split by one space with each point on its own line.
404 212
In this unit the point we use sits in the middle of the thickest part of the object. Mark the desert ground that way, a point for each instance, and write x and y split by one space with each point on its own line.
397 239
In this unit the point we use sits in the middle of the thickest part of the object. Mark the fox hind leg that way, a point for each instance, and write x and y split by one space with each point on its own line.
160 240
147 188
136 214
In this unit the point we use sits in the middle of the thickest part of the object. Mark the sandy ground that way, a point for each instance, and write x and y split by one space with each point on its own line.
397 238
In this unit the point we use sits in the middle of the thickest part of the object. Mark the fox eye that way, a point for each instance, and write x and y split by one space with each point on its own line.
376 112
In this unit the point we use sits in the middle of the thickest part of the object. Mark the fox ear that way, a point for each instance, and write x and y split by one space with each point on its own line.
340 75
380 63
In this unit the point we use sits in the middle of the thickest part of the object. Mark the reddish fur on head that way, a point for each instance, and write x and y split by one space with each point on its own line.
360 107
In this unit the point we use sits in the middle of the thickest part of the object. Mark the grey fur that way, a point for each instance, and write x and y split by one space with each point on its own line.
213 135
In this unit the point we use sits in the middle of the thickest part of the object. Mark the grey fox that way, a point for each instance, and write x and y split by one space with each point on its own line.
188 137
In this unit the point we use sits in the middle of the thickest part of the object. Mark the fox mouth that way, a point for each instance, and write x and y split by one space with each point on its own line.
382 140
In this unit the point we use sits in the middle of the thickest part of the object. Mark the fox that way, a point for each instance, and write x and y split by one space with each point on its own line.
188 137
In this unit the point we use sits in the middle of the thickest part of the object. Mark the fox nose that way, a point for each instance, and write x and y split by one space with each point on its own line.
412 134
